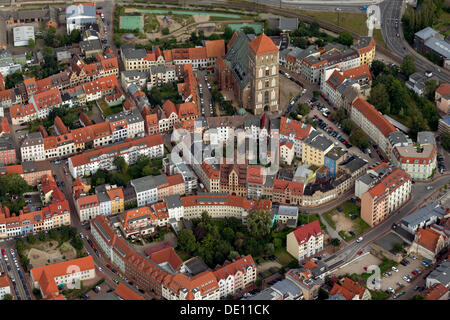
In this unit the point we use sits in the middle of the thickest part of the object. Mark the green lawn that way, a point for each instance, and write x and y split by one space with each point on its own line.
151 24
307 218
379 40
355 22
378 295
443 23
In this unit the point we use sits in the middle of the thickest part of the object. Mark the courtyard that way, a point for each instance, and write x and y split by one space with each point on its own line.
48 252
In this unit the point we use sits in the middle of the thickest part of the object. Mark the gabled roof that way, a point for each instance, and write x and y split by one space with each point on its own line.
372 114
262 44
428 238
312 229
126 293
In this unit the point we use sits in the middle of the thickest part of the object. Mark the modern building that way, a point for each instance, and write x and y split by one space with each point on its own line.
80 16
388 195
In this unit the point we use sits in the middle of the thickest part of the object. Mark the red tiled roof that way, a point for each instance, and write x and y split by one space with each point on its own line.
300 129
435 292
215 48
62 129
428 238
47 99
126 293
83 158
187 110
167 255
231 268
4 125
169 108
262 44
374 116
312 229
443 89
362 70
389 181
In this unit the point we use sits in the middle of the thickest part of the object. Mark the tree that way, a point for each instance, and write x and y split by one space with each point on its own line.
278 243
13 79
445 141
408 66
418 297
228 234
345 38
228 33
359 138
303 109
430 88
348 125
31 43
7 297
322 294
41 236
377 67
53 234
335 242
186 241
75 36
259 222
120 164
49 38
165 31
269 248
379 97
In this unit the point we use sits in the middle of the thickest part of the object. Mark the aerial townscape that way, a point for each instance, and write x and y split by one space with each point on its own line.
225 150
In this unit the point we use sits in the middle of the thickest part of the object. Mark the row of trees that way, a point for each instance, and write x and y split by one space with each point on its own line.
13 186
391 96
426 15
356 135
51 39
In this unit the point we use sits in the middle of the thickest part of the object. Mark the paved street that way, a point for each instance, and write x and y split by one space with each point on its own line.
419 193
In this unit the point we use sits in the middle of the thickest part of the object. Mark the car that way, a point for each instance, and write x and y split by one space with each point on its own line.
394 269
109 290
429 187
100 268
390 290
359 239
116 281
418 271
414 272
272 271
261 275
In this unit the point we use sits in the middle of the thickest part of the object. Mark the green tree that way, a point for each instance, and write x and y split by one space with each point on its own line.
303 109
377 67
322 294
228 33
41 236
269 248
7 297
359 138
445 142
345 38
228 234
408 66
418 297
49 38
278 243
379 98
186 241
430 88
31 238
31 43
259 222
335 242
348 125
75 36
13 79
120 164
165 31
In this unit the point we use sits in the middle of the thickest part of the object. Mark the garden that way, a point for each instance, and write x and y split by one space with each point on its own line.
144 166
12 192
218 240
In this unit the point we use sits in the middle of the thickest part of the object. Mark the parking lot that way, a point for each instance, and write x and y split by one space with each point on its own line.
396 280
339 137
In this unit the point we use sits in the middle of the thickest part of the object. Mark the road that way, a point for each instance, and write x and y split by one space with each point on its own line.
418 194
390 11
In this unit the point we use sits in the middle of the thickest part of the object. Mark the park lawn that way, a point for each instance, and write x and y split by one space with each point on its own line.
151 24
378 37
183 19
327 217
307 218
107 110
284 258
355 22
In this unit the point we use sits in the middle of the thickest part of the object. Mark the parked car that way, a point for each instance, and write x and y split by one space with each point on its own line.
394 269
359 239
